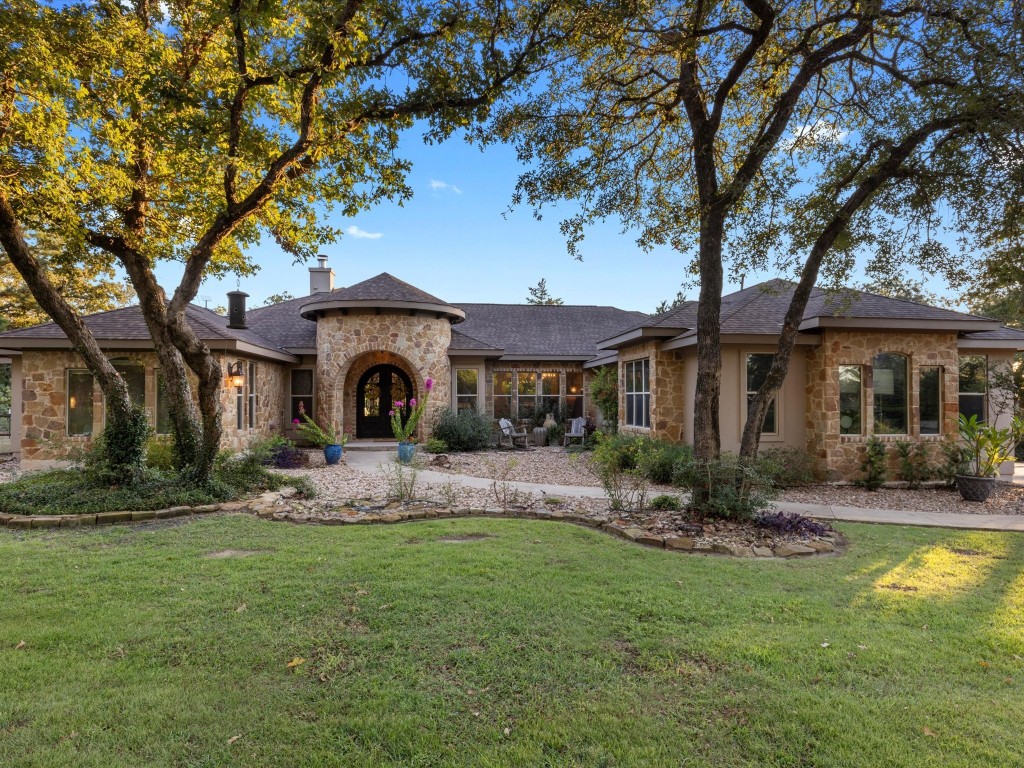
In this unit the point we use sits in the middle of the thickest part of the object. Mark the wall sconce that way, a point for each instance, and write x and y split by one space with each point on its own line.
236 375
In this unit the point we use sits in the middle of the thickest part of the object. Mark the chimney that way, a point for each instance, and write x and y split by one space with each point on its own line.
321 278
236 309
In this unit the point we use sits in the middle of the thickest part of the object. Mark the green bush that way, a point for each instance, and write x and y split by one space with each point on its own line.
787 467
465 430
556 434
665 502
955 460
118 454
873 465
913 458
604 391
160 453
433 445
728 488
656 460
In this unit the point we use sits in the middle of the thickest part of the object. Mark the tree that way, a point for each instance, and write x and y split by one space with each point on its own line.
676 303
278 298
901 287
773 127
88 285
539 294
187 131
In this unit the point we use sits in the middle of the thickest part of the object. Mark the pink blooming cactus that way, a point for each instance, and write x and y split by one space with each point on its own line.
399 404
428 384
412 403
391 413
404 431
295 421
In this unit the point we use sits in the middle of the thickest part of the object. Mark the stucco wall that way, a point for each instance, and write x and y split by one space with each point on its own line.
43 437
420 342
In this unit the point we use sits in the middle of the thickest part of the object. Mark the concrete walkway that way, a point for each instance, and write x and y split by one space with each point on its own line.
371 461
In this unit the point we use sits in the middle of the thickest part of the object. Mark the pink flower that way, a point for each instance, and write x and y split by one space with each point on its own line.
398 404
428 384
391 413
295 421
412 403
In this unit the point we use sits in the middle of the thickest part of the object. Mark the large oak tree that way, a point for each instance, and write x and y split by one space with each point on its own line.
188 130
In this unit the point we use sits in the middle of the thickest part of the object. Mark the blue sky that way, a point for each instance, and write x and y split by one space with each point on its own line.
457 239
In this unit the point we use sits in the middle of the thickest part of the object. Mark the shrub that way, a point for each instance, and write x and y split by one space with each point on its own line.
118 455
873 465
787 467
665 502
659 459
465 430
604 391
728 488
556 434
160 454
913 458
956 460
791 522
433 445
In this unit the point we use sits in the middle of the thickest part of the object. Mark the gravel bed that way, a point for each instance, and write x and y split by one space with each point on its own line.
1006 499
9 469
552 464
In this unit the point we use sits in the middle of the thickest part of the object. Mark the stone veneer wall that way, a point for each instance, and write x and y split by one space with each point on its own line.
668 406
839 456
538 366
419 344
44 435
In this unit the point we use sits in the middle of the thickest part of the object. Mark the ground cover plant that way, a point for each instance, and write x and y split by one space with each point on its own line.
474 642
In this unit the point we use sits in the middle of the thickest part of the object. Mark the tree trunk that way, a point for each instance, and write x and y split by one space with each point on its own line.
121 413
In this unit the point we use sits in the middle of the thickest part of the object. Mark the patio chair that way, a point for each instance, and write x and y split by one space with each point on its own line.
577 431
507 432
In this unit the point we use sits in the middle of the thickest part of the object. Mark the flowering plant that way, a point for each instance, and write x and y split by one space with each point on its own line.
316 434
401 431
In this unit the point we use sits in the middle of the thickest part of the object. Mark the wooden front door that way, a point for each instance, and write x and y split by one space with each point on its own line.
376 393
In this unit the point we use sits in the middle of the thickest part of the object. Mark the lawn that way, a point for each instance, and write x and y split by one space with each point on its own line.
503 643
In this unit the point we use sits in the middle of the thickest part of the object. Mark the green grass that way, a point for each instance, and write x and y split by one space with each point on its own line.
422 651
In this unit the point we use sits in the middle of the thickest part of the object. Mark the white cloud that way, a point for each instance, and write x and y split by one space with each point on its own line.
362 234
806 136
436 184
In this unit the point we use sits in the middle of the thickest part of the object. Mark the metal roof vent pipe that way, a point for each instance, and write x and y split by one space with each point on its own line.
236 309
321 278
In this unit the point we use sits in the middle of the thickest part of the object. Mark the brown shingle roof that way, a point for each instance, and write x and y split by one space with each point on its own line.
383 287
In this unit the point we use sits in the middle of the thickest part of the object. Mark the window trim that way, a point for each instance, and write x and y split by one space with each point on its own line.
745 394
511 396
907 398
311 411
983 395
455 386
920 415
863 399
250 384
645 392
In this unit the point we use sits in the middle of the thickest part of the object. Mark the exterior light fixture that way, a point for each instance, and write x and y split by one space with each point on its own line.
236 375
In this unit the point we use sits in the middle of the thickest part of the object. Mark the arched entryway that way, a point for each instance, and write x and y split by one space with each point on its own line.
376 392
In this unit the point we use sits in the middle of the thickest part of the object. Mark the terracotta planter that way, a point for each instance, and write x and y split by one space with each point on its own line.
974 488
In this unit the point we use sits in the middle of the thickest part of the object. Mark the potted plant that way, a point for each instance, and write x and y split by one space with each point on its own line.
985 449
326 438
403 432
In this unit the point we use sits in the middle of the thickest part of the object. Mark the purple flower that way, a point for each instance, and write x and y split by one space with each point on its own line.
412 403
391 413
295 421
428 384
398 404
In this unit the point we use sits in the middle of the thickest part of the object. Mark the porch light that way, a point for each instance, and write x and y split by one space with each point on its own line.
236 375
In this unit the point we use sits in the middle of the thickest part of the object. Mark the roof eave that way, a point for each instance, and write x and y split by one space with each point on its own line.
685 342
902 324
546 358
637 335
454 314
220 345
1013 344
469 352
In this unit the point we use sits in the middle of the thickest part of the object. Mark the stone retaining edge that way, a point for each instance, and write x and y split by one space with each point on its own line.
271 506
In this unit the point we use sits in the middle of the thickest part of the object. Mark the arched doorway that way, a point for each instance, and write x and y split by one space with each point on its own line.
377 391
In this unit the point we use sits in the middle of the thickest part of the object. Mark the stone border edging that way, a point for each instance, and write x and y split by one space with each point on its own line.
271 506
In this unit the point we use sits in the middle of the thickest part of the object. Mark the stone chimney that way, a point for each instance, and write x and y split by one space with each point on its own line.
236 309
321 278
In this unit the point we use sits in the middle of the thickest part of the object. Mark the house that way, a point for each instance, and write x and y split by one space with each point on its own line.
863 365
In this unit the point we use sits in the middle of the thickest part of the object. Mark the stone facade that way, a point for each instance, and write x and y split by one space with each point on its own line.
417 343
668 401
44 437
839 456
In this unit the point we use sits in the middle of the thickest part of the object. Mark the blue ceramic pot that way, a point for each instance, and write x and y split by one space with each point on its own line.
406 451
332 453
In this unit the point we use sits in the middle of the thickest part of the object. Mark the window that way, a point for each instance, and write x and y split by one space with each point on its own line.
758 366
974 386
638 393
851 400
549 394
573 394
239 407
250 382
527 390
466 389
301 393
163 406
503 394
134 375
890 391
79 403
931 400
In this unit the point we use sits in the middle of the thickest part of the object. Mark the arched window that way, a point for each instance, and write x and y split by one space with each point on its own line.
891 394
